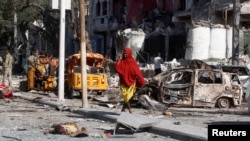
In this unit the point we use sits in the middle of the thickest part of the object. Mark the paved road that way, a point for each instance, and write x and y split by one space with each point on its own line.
181 124
26 121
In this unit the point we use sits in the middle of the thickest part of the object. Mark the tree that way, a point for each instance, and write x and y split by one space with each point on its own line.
6 26
29 11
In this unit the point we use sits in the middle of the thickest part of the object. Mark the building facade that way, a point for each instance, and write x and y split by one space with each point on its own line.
180 29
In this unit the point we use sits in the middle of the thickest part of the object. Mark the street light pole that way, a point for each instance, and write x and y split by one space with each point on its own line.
83 54
62 50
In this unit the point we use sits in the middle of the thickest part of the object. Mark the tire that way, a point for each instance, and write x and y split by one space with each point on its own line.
223 103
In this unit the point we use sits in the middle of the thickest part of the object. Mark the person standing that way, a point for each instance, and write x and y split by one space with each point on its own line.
32 63
32 60
7 67
157 63
130 76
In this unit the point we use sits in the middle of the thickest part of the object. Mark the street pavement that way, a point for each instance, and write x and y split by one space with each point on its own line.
162 127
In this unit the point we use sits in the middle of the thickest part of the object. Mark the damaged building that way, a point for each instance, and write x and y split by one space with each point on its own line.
180 29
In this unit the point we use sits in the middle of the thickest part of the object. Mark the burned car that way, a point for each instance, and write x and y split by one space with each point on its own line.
191 88
244 76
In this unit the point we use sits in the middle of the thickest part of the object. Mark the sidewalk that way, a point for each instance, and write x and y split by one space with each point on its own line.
162 127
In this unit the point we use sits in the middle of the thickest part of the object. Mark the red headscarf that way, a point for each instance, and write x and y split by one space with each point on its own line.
128 70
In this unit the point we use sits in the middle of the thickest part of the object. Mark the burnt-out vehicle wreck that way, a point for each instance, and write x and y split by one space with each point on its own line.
187 87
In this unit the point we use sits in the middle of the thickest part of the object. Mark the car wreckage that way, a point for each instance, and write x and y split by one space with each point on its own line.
188 87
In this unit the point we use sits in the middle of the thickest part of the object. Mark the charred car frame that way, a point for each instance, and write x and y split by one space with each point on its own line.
191 88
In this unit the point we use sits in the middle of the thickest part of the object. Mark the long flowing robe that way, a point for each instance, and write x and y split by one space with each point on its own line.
129 74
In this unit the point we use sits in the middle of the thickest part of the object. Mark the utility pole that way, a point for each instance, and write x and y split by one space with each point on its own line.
62 51
62 5
236 32
83 54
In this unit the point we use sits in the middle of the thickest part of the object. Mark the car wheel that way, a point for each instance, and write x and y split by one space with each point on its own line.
223 103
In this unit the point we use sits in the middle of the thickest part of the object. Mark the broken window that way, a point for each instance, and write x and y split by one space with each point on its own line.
235 79
234 69
209 77
180 77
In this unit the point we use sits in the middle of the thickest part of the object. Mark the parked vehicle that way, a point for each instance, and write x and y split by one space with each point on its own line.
42 76
191 88
96 77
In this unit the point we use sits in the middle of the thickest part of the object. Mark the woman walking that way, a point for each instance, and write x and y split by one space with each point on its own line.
130 76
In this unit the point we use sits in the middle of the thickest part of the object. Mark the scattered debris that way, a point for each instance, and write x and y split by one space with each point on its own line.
177 123
102 135
105 128
19 129
46 107
63 108
37 98
159 117
5 92
17 94
151 104
123 136
111 105
52 95
13 138
134 122
101 98
167 113
21 110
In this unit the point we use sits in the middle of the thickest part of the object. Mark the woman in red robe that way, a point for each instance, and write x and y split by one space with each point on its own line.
130 76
